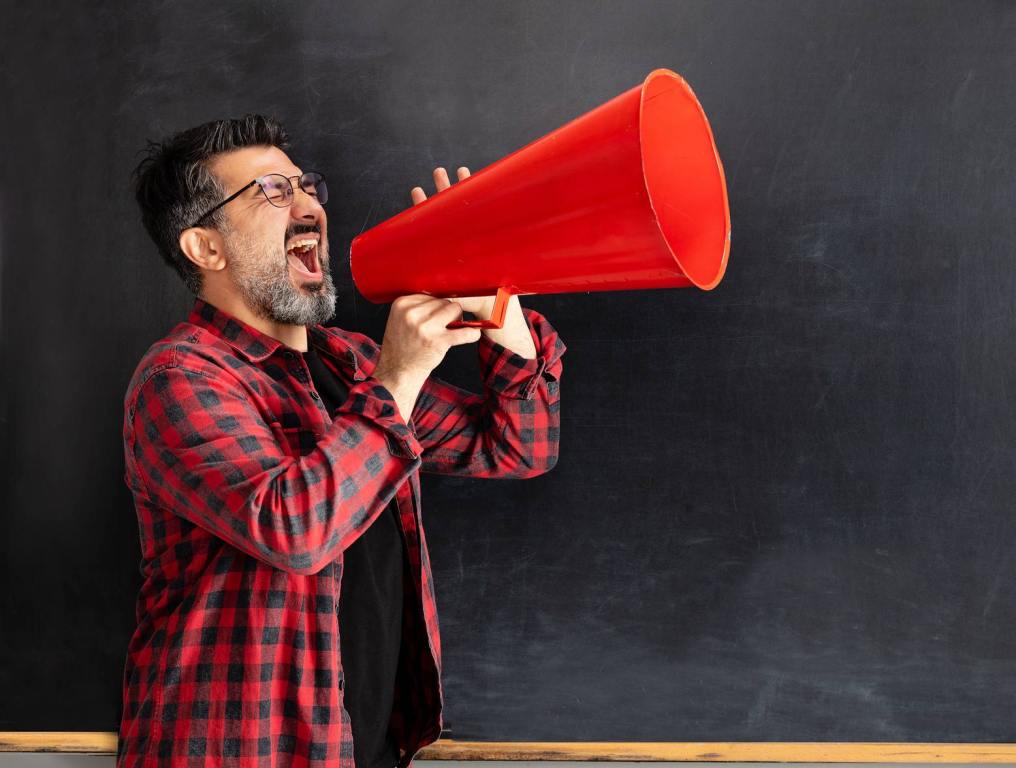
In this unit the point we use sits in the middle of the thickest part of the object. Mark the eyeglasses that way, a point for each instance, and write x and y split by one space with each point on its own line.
279 190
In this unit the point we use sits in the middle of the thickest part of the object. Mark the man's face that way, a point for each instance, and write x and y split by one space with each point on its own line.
274 280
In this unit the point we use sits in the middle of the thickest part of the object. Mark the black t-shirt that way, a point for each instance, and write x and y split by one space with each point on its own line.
370 612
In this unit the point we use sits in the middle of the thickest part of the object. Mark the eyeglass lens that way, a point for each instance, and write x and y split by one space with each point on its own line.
279 190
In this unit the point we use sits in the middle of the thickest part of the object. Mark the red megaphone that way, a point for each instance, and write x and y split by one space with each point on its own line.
630 195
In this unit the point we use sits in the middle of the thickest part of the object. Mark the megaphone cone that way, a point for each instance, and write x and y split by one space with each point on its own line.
630 195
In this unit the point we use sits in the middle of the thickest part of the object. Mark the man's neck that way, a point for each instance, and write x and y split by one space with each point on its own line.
293 336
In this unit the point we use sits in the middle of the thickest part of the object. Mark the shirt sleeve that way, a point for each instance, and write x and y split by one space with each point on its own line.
203 451
510 431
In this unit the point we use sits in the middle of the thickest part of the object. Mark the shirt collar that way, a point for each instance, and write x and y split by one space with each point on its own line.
257 346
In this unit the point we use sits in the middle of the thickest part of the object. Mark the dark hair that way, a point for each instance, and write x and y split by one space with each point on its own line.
174 185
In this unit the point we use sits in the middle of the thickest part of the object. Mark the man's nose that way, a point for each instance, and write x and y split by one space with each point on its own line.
306 206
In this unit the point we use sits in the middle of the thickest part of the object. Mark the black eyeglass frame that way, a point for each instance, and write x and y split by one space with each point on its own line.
301 180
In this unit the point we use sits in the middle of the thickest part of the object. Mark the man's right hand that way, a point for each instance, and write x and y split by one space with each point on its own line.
416 340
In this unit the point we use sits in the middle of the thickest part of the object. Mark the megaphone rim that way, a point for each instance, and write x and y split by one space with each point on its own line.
722 265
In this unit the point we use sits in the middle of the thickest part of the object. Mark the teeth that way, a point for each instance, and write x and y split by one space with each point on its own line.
302 244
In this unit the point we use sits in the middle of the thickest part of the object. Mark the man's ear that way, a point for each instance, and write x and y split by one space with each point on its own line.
204 246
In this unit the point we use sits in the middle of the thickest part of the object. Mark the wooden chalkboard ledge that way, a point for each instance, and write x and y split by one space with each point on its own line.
449 749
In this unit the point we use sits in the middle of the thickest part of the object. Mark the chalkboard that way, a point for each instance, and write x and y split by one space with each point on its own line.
783 508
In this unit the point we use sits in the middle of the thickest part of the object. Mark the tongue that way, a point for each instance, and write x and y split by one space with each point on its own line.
298 263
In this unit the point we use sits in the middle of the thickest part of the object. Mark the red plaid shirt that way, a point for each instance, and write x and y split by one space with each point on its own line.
247 492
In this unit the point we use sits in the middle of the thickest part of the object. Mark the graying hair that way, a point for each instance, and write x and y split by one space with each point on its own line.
173 183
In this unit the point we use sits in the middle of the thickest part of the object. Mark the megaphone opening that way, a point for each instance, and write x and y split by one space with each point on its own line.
684 177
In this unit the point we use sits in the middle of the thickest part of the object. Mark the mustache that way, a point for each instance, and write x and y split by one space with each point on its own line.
301 229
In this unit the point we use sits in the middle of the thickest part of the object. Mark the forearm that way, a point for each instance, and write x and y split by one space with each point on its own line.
515 333
512 429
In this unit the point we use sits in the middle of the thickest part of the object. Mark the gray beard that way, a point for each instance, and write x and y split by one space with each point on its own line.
262 276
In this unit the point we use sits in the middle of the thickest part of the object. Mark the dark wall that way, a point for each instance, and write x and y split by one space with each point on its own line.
782 509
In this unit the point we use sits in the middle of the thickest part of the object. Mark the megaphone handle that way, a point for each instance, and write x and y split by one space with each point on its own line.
496 315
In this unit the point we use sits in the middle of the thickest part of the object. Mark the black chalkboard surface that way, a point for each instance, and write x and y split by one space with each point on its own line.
783 509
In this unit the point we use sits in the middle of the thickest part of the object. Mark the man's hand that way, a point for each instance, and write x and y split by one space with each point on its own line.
514 334
416 339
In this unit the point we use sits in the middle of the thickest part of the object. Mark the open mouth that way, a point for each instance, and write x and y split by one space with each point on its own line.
303 258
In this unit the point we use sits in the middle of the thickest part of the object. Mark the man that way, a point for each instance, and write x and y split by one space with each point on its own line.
287 614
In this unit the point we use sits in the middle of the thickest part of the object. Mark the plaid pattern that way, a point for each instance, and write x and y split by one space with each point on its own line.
247 492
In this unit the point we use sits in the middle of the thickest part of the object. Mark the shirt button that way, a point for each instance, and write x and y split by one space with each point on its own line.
315 395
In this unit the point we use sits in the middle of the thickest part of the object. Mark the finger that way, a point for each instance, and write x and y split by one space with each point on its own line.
418 195
425 310
462 172
464 335
441 179
414 300
445 311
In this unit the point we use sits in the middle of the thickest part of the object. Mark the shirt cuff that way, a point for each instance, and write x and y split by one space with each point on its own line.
372 400
511 375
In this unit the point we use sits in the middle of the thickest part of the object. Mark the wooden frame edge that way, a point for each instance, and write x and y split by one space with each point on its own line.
723 752
104 743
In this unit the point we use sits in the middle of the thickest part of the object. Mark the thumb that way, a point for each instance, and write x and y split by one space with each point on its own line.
465 335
